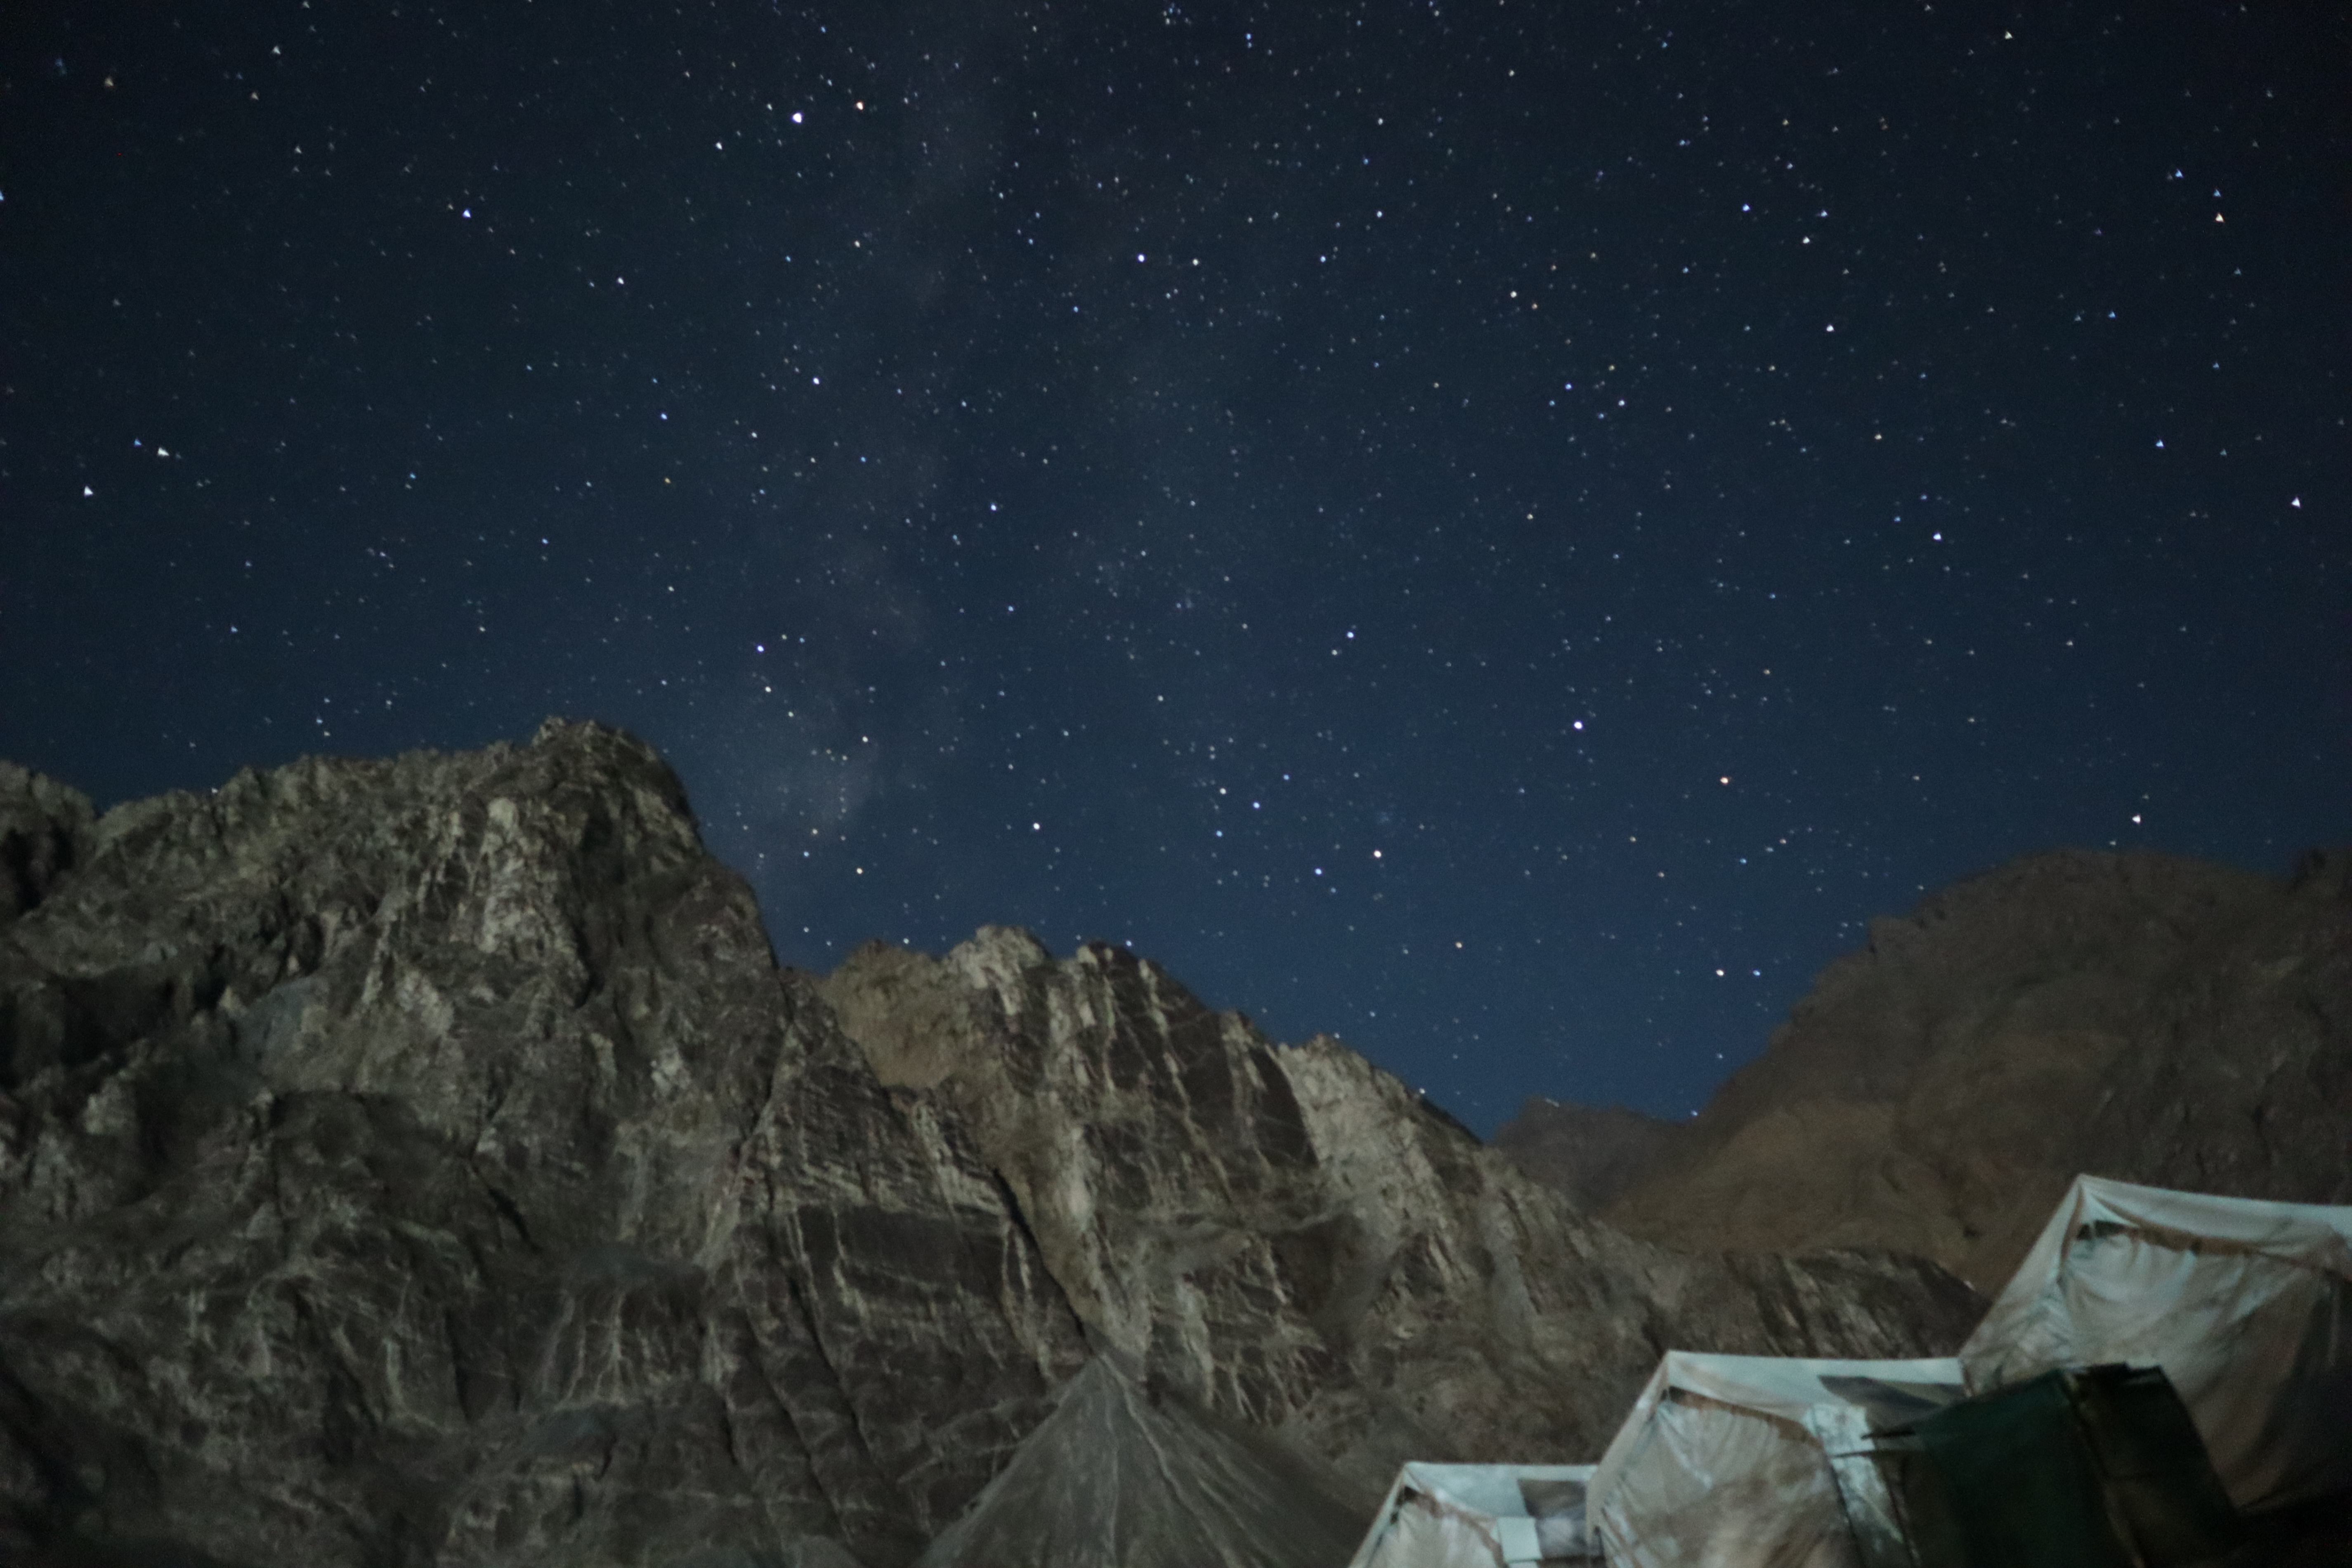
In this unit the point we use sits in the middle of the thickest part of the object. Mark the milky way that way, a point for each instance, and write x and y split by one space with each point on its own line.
1504 532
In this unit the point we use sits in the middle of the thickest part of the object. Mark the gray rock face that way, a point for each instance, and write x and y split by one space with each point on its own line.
424 1162
1294 1240
436 1169
2141 1017
44 828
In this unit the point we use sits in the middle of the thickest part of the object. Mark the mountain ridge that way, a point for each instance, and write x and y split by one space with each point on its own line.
2134 1014
424 1160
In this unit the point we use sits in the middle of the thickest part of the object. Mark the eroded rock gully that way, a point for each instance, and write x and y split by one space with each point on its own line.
424 1162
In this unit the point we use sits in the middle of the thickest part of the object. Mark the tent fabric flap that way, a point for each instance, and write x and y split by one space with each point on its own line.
2017 1483
2099 1468
2245 1304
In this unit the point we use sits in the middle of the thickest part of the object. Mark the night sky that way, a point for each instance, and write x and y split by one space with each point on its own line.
1504 532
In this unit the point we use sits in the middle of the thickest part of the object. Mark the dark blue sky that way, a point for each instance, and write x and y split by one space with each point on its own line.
1506 532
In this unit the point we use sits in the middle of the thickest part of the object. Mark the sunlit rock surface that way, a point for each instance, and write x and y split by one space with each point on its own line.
424 1162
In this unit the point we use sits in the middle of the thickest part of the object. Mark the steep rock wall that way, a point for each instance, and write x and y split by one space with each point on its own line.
1290 1235
424 1162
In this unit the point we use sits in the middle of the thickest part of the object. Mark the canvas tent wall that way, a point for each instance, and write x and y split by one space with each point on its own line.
1762 1462
2246 1305
1481 1516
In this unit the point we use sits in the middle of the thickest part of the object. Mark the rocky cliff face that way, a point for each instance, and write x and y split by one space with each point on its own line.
424 1162
2138 1016
1291 1237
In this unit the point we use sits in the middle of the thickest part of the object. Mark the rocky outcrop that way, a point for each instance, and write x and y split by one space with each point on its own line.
2136 1016
1591 1152
45 829
424 1162
1295 1241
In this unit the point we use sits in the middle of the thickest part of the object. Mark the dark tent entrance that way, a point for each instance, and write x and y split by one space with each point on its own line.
2097 1468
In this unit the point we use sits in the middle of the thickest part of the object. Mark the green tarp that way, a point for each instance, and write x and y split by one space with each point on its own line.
2097 1468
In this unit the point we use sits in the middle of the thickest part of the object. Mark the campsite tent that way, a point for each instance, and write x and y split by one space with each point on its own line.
1740 1461
1481 1516
2246 1305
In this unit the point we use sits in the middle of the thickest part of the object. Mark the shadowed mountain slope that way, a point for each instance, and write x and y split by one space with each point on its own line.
2136 1016
1591 1152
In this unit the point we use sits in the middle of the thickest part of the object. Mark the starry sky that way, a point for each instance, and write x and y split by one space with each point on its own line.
1504 530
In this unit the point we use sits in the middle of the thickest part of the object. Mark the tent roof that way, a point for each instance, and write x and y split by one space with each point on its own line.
1749 1460
1491 1490
1501 1496
2316 1235
2246 1304
1788 1387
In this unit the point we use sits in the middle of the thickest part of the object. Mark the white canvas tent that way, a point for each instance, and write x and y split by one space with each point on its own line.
1481 1516
2246 1305
1761 1462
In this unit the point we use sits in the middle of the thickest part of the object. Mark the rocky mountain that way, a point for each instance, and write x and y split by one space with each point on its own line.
1296 1240
1591 1152
425 1161
2136 1016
